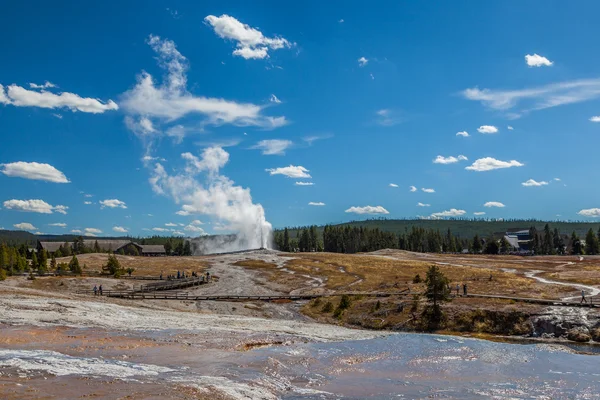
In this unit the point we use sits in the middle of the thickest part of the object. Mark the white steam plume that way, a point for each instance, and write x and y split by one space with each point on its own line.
217 196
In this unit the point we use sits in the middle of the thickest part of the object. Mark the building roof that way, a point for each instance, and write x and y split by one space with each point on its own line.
106 245
153 248
512 239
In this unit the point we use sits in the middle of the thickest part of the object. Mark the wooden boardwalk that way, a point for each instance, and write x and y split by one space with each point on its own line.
549 302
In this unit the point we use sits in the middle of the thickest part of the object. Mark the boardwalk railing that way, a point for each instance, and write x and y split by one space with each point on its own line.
172 284
549 302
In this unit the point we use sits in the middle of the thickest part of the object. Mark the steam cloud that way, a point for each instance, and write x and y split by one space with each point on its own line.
219 197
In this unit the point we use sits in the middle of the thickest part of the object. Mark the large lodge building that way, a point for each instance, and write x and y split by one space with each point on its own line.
104 246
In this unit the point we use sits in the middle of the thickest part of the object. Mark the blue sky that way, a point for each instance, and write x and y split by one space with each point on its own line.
204 116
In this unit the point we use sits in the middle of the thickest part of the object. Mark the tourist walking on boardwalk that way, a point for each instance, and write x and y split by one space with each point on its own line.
465 289
178 275
457 289
100 290
95 290
583 297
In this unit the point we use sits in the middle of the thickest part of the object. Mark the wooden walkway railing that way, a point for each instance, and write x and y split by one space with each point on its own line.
549 302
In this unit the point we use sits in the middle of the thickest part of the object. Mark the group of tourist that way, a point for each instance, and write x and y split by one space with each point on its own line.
97 290
183 275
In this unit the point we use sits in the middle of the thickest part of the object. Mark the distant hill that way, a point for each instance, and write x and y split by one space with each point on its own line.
23 237
466 228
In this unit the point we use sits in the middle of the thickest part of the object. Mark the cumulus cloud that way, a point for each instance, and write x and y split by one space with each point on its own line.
368 210
34 205
428 190
489 164
112 203
393 185
423 205
449 160
510 128
170 224
274 99
20 97
479 213
304 183
250 42
537 98
196 222
291 171
273 146
487 129
59 224
590 212
313 203
87 202
195 229
462 133
33 170
595 119
494 204
453 212
25 226
152 107
532 182
412 188
362 62
92 231
119 229
536 60
159 229
76 231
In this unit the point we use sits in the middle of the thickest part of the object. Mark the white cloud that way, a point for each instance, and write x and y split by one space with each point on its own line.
453 212
195 222
194 228
489 164
557 179
170 224
34 205
510 128
39 233
151 107
75 231
479 213
59 224
87 202
25 226
538 98
362 62
393 185
532 182
274 99
89 195
291 172
595 119
46 85
33 170
304 183
20 97
449 160
59 116
428 190
494 204
372 77
312 203
159 229
341 21
487 129
387 117
590 212
536 60
423 205
92 231
273 146
113 203
179 233
412 188
462 133
251 43
368 210
119 229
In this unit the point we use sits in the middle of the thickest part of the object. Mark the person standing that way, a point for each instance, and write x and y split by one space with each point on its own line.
100 290
457 289
465 289
583 300
95 290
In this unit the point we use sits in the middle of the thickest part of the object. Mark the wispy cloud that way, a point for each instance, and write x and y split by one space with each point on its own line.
34 171
304 183
428 190
537 98
35 206
532 182
362 62
423 205
393 185
274 99
112 203
318 204
479 213
412 188
387 117
453 212
449 160
59 224
273 146
120 229
462 133
494 204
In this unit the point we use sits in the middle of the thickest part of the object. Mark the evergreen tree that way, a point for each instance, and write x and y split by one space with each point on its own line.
505 246
534 245
286 240
113 267
43 261
34 261
66 249
436 286
3 256
591 243
168 247
74 265
576 247
187 249
97 247
559 245
491 246
476 245
548 242
53 263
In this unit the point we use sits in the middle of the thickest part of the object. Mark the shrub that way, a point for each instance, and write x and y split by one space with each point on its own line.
378 305
2 274
316 302
327 308
417 279
344 302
